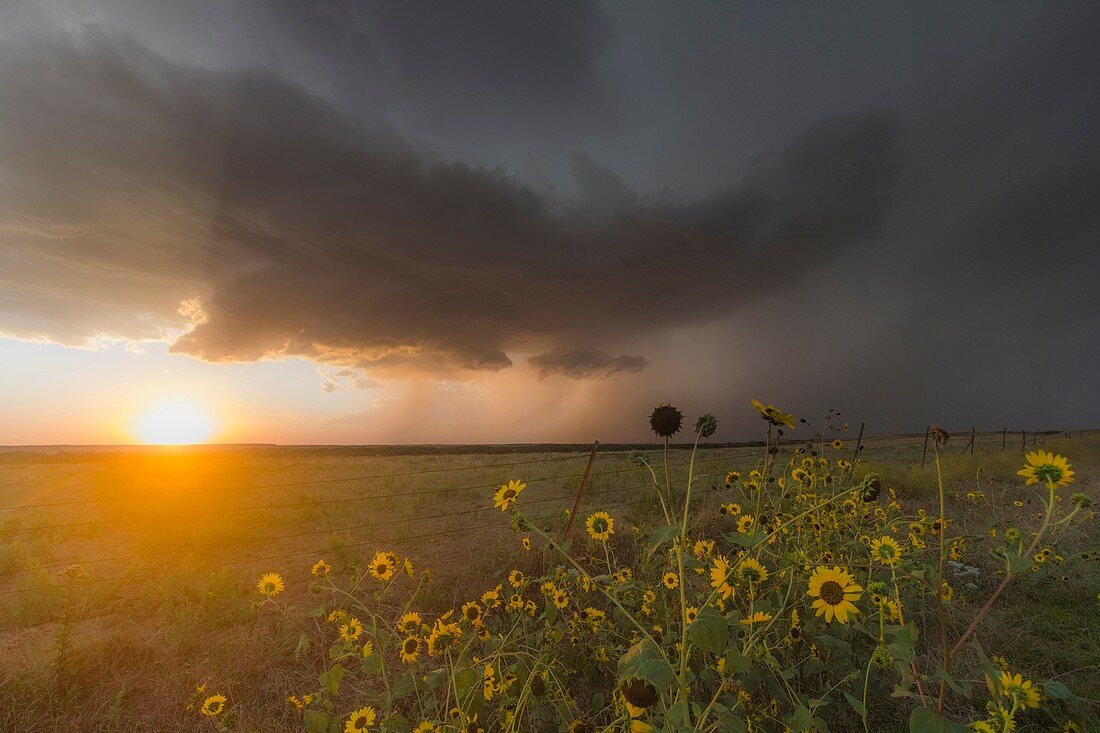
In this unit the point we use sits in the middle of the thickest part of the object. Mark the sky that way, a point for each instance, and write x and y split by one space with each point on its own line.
410 222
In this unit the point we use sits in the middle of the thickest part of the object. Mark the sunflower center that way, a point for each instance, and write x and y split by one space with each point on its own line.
508 494
269 587
410 646
832 592
361 722
381 568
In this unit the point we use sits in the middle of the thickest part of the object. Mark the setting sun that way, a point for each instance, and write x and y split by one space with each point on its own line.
175 422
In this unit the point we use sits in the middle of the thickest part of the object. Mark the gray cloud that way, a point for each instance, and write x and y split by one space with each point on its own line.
302 232
585 364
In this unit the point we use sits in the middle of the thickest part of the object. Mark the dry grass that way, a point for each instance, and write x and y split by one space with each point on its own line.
145 630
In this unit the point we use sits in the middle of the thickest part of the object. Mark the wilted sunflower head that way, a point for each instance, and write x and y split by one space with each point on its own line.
871 488
938 435
666 421
638 693
706 425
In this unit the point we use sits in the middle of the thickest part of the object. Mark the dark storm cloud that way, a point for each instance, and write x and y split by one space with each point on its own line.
586 363
302 232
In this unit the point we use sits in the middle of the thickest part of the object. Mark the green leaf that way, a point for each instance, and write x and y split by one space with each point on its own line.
644 660
801 720
1018 563
709 630
316 721
737 662
330 680
925 720
661 535
1057 690
856 704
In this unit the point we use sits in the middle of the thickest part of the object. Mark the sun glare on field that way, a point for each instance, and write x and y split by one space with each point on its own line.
176 422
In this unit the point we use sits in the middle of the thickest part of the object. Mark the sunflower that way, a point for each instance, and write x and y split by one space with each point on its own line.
368 648
320 569
756 618
384 565
691 613
409 622
1053 470
515 578
360 720
886 550
410 649
425 726
834 590
600 526
489 681
472 612
507 494
213 705
665 421
719 577
751 571
744 524
772 414
1020 690
351 629
560 599
638 695
702 549
271 584
670 580
581 726
444 634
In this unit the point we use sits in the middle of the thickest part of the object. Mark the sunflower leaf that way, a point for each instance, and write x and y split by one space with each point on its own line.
709 630
661 535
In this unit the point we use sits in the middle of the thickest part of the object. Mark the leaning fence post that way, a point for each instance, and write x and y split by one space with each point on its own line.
580 490
859 442
1004 438
924 455
971 440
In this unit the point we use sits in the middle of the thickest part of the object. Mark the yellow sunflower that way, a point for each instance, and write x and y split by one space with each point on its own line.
526 542
751 571
472 612
1053 470
320 569
600 526
1017 688
838 444
351 629
425 726
408 622
886 550
756 618
691 613
719 577
444 634
507 494
360 720
271 584
744 524
835 591
670 580
515 578
410 649
213 705
384 565
772 414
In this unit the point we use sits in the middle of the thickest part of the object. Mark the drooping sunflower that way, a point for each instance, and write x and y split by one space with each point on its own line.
581 726
600 526
409 622
835 590
1052 469
886 550
757 618
1015 687
507 494
360 720
271 584
773 415
410 649
719 577
213 706
638 695
445 634
384 565
320 569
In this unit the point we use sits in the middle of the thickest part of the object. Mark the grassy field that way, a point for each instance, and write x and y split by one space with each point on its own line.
128 577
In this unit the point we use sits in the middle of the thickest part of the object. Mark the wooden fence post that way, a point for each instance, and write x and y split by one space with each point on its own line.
972 435
1004 439
859 442
925 453
580 490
